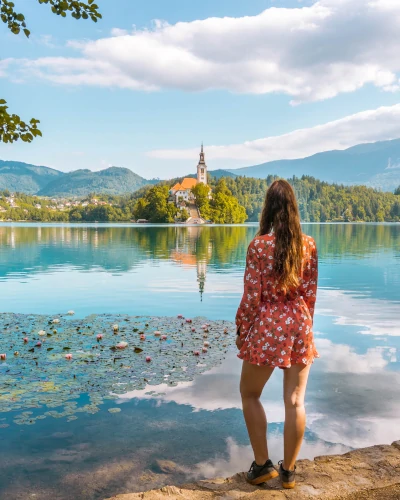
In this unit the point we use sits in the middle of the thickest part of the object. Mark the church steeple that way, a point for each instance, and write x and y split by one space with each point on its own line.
201 276
202 168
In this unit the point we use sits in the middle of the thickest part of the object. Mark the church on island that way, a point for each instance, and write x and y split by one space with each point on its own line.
182 191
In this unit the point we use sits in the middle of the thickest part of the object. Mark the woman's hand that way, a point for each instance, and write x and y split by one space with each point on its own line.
239 342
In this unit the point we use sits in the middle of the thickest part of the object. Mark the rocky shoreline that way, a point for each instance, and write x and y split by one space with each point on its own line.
368 473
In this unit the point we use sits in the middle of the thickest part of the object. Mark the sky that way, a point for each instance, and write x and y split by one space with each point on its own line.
256 81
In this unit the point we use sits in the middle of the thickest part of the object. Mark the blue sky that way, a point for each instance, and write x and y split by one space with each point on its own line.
254 80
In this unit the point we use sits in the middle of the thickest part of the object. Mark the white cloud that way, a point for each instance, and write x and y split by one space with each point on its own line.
118 32
368 126
310 53
341 358
373 316
3 66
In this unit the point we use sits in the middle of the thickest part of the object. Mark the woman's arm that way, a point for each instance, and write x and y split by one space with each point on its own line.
249 304
310 279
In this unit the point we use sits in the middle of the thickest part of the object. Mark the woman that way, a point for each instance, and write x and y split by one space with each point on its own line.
274 327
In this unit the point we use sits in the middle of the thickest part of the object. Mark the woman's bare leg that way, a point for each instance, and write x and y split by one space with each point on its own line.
252 384
294 389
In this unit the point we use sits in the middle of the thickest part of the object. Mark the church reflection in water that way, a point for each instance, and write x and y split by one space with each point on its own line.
190 253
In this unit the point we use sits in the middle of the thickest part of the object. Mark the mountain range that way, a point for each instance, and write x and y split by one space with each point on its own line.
44 181
375 164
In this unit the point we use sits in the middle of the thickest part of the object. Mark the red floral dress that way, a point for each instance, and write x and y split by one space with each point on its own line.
277 328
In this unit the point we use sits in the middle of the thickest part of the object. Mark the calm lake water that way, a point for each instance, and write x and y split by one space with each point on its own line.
353 397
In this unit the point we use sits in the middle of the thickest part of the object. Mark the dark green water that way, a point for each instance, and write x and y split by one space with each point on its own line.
354 391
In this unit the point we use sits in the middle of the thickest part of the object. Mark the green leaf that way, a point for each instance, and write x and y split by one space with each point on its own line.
27 32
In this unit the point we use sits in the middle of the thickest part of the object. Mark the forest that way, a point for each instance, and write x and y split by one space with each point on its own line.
234 200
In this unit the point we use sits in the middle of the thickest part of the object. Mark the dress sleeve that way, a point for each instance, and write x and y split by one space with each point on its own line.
310 279
249 305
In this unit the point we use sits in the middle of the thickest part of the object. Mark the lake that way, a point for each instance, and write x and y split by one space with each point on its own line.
194 429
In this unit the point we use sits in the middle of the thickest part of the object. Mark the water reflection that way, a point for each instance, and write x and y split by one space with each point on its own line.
354 392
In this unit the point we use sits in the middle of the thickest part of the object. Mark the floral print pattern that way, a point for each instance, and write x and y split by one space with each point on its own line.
276 328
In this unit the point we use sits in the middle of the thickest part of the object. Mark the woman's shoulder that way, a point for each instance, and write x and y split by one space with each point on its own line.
309 239
310 247
262 239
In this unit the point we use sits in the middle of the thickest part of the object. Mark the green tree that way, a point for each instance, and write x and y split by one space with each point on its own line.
183 215
12 127
201 193
397 191
155 206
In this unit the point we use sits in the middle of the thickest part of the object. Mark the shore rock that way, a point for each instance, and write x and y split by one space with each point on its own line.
369 473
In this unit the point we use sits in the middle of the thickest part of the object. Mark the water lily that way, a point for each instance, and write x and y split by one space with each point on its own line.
203 327
68 356
206 344
26 339
42 333
56 320
188 320
38 344
148 359
71 313
115 328
196 353
157 333
143 337
16 353
163 337
193 329
122 345
3 357
54 331
204 349
226 330
180 316
99 336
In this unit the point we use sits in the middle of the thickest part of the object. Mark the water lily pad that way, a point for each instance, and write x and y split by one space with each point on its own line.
41 379
114 410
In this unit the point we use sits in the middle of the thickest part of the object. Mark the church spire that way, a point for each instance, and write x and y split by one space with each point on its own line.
202 154
202 168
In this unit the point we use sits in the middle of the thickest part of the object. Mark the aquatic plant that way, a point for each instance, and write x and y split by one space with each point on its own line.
35 377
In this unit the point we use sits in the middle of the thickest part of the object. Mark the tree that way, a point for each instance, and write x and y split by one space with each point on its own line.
202 192
12 127
397 191
155 207
183 215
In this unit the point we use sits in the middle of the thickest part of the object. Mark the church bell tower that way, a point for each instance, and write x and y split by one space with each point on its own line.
202 168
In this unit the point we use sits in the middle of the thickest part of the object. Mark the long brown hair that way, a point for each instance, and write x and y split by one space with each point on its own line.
281 214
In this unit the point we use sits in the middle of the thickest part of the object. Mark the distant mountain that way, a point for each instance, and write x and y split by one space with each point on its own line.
217 173
222 173
376 165
26 178
31 179
113 180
